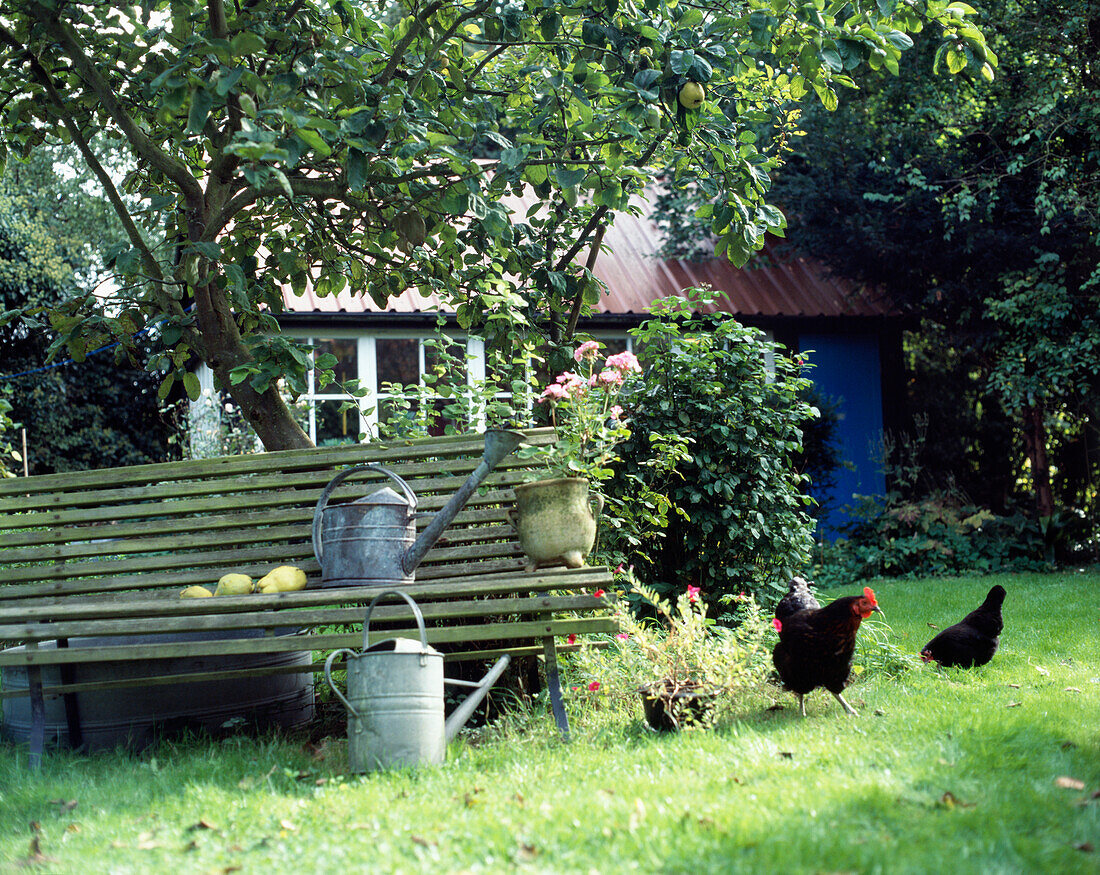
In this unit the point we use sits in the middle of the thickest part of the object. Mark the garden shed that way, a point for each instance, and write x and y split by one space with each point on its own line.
849 334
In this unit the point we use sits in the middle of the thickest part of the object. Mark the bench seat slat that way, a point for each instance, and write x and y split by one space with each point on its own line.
297 618
167 605
291 643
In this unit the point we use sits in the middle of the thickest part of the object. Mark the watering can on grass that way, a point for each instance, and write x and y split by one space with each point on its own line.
395 699
372 541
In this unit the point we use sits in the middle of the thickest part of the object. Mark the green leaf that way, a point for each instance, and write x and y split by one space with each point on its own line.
166 385
247 43
357 170
191 386
228 79
314 140
201 101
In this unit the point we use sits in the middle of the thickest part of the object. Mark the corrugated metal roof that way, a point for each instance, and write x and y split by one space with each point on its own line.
635 277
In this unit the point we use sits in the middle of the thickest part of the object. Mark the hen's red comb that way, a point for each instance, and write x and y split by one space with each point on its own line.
867 591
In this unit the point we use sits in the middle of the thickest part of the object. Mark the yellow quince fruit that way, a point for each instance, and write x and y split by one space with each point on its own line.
234 584
692 95
195 592
285 578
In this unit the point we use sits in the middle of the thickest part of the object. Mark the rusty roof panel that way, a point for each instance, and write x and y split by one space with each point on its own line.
635 277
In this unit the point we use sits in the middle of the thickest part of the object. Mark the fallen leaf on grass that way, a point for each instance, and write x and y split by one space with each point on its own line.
287 825
1085 846
949 800
528 852
65 806
424 843
1068 783
73 827
786 755
1014 704
1071 690
35 857
202 824
932 626
1013 686
1043 671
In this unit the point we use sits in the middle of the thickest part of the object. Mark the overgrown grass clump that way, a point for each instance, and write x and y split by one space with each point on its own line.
991 770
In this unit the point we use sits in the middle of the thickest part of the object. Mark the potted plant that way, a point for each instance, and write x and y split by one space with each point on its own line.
682 664
555 514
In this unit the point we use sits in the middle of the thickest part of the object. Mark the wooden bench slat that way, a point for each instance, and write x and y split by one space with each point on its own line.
292 643
155 605
383 452
295 619
427 479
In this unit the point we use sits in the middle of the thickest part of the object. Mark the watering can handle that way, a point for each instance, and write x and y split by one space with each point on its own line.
328 677
336 481
415 609
598 500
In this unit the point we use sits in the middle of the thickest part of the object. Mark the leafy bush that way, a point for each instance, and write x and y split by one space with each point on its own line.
671 648
736 511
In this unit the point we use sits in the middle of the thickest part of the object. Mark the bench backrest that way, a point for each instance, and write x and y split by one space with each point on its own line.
170 525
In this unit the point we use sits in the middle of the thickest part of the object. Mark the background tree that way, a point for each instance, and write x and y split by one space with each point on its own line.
288 143
99 412
977 205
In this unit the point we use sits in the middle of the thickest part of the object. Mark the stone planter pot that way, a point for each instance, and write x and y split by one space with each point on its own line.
555 521
668 710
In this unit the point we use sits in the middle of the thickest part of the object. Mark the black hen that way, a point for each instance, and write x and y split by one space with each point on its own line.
816 646
798 598
974 640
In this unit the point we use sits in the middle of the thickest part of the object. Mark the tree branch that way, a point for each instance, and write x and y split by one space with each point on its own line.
93 78
152 266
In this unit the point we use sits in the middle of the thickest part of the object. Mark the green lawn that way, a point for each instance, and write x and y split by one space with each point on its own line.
992 770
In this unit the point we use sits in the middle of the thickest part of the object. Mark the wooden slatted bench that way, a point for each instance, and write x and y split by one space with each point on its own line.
91 556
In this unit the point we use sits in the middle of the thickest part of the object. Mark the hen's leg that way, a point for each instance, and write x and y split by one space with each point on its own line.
802 704
845 705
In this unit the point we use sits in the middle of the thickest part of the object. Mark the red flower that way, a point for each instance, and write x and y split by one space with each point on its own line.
592 687
778 624
599 593
620 569
693 593
572 639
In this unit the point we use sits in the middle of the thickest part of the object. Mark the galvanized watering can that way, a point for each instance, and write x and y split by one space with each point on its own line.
372 541
395 699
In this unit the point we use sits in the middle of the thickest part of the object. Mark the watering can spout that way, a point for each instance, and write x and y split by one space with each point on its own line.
498 444
463 712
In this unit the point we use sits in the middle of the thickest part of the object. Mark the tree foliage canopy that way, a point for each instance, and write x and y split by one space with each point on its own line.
979 207
322 143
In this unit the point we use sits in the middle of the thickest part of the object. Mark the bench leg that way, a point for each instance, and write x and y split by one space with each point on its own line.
553 684
38 716
72 707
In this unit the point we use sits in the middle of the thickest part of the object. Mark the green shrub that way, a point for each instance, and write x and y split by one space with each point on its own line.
736 510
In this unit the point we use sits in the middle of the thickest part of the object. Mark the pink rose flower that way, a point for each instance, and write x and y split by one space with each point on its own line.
592 687
587 350
693 593
624 361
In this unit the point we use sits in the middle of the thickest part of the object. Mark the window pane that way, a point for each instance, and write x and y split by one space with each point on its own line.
336 426
612 345
347 359
398 360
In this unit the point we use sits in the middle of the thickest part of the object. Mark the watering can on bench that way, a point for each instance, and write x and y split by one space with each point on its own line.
395 699
372 541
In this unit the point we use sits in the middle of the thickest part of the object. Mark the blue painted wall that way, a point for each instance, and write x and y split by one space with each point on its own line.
847 372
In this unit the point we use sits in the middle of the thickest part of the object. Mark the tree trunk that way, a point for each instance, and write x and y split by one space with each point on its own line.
223 350
1035 441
